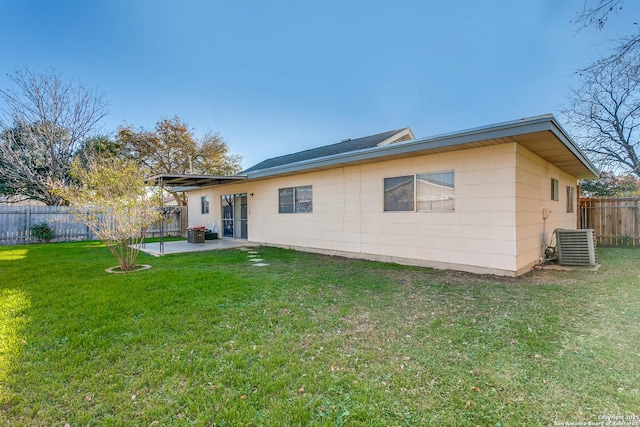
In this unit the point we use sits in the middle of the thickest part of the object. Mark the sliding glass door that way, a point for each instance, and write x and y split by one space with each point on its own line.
234 216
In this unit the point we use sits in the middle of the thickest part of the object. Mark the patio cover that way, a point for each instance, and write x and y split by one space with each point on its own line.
182 182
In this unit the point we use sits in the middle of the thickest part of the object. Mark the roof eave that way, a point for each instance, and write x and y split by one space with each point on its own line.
573 147
502 130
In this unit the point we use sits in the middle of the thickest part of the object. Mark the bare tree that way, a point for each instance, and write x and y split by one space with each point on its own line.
604 112
43 122
597 14
604 109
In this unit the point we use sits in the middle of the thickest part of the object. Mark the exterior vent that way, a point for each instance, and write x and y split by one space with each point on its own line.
576 247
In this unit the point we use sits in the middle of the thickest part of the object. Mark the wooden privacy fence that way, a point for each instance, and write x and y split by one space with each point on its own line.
16 222
174 222
615 220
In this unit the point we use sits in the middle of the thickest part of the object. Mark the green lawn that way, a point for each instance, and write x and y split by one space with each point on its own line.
206 339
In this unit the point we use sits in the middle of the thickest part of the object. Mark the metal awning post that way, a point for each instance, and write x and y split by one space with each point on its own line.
182 183
161 217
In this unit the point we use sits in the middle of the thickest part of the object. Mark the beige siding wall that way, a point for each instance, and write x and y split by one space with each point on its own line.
348 212
194 212
533 187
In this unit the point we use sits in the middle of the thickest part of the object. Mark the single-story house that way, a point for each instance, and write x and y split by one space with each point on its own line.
484 200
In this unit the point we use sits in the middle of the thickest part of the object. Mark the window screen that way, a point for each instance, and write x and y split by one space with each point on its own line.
304 203
204 204
570 197
399 193
554 189
286 200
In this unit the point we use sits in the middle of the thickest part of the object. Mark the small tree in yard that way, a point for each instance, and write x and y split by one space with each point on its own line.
113 200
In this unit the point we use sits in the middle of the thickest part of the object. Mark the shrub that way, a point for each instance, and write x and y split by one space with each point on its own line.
113 200
42 232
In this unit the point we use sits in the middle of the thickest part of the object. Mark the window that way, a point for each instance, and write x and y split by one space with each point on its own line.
204 204
435 191
570 197
286 200
304 203
399 194
295 199
425 192
554 189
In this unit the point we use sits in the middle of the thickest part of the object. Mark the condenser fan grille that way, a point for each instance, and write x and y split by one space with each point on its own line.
576 247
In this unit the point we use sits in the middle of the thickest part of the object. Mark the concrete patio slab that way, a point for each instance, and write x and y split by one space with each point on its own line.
182 246
571 267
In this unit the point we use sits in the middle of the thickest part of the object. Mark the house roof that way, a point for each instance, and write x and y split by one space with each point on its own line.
345 146
542 135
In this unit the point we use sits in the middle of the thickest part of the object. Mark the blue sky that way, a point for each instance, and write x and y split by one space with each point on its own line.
282 76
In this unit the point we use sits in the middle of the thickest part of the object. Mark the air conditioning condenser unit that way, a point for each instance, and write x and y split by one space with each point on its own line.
576 247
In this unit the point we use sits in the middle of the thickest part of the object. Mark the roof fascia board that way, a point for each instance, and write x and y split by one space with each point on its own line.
502 130
174 175
194 181
573 147
184 189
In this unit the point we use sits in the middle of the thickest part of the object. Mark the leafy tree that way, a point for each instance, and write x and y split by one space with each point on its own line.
96 148
172 148
610 185
112 199
43 122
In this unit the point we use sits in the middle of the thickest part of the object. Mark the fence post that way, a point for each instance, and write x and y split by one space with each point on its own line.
27 226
